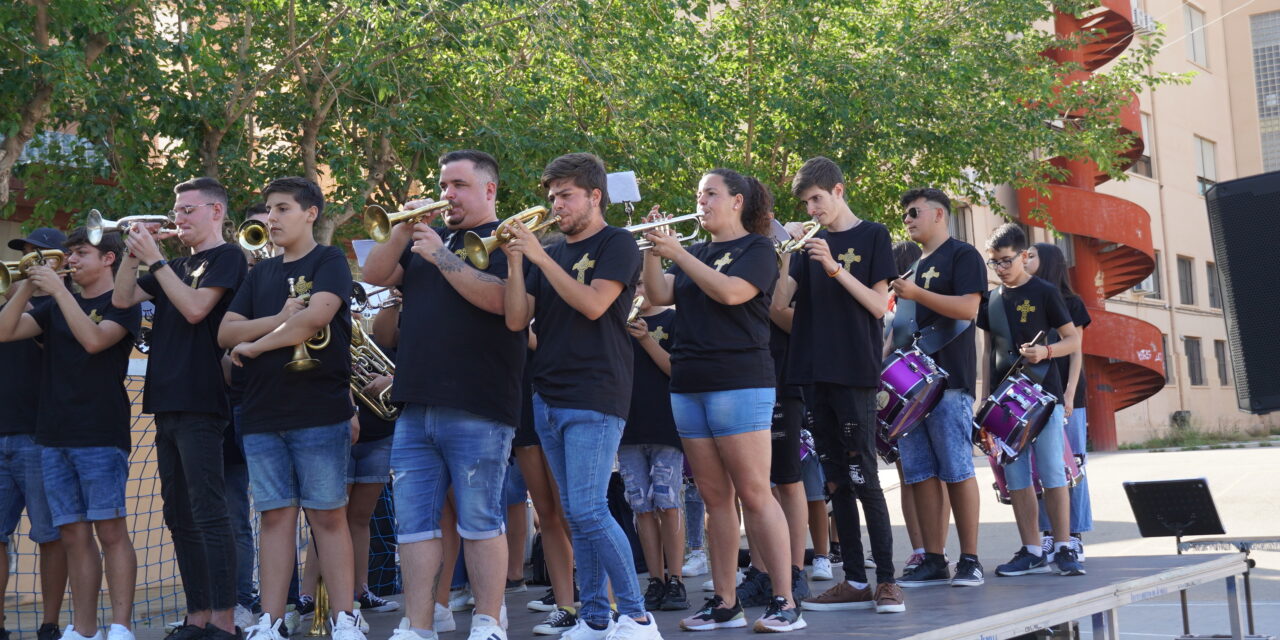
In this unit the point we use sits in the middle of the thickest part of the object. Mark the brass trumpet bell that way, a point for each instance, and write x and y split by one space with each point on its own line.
479 249
95 225
253 236
302 360
378 223
640 229
811 229
15 270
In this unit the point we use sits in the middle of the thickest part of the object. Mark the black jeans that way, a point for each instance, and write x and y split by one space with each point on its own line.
189 461
845 434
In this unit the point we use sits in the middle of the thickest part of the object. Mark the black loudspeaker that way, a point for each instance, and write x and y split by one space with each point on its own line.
1244 222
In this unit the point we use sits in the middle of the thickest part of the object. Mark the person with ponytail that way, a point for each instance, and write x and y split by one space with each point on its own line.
1046 261
722 386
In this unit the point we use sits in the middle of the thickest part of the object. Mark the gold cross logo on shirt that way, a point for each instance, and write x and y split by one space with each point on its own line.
658 335
302 287
582 265
95 316
723 261
929 276
848 258
195 275
1025 308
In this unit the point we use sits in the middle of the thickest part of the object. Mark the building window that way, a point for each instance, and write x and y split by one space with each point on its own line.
1142 166
1152 286
958 222
1195 362
1063 242
1186 281
1164 351
1265 32
1214 285
1220 354
1197 49
1206 164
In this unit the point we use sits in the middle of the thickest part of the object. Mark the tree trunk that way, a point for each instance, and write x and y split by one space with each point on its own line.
33 112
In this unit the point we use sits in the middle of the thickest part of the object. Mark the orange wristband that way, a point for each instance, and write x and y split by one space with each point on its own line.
834 272
1048 351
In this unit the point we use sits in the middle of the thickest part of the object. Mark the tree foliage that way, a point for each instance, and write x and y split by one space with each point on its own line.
362 95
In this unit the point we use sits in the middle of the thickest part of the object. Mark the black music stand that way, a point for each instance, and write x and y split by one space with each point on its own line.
1175 508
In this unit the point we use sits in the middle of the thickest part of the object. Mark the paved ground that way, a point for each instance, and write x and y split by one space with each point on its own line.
1244 485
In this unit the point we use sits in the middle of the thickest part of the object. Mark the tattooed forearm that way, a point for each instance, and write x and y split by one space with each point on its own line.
485 277
446 261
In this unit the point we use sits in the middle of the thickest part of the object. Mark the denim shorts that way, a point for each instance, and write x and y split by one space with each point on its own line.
514 489
370 462
942 446
84 483
300 467
22 484
653 475
717 414
815 488
436 447
1047 446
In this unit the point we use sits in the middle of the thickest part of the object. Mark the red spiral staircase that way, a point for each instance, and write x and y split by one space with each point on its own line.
1124 358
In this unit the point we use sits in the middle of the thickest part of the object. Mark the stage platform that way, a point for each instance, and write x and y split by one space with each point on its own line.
1002 608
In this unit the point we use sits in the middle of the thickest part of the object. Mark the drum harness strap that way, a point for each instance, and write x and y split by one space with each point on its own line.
1002 342
931 339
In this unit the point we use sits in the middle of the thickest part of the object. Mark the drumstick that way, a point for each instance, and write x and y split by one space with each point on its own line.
903 276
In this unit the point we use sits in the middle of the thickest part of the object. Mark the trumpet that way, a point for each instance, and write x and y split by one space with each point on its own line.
640 229
96 225
360 298
811 229
479 249
15 270
254 238
302 360
368 361
378 223
635 310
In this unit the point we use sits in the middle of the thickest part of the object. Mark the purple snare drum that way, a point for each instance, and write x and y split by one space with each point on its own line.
911 385
1015 414
888 450
1070 460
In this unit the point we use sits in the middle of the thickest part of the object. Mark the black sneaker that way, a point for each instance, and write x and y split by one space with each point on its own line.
930 572
756 589
212 632
546 603
653 594
776 619
306 605
370 602
837 560
968 572
1067 563
713 615
799 585
556 622
48 631
675 598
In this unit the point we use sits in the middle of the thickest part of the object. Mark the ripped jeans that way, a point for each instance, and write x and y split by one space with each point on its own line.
845 433
653 475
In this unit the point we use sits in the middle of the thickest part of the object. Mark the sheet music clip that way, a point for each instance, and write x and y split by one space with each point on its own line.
624 188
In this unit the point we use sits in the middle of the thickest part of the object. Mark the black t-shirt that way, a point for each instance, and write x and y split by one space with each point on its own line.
954 269
279 400
651 421
779 343
720 347
184 368
581 363
834 339
1080 318
1031 308
372 426
83 401
20 381
452 353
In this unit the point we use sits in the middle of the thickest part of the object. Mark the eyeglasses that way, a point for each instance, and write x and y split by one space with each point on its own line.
188 208
1002 264
914 212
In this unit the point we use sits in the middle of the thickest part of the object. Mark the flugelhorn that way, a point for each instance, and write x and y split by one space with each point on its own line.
254 238
640 229
15 270
302 360
811 229
378 223
479 249
96 225
635 310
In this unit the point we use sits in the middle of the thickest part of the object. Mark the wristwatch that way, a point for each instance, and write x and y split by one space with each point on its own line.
156 266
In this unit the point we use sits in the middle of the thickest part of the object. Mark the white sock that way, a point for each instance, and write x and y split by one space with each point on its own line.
1059 546
426 634
857 585
1034 549
919 550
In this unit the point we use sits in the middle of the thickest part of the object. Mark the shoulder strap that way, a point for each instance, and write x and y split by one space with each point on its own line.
905 327
931 339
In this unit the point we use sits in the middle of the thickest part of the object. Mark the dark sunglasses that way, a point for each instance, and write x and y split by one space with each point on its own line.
915 212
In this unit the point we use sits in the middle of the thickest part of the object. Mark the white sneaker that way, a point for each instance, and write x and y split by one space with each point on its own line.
71 634
292 620
583 631
696 563
444 622
821 568
266 629
244 617
486 628
359 616
405 632
628 629
710 584
1078 546
461 600
502 617
346 626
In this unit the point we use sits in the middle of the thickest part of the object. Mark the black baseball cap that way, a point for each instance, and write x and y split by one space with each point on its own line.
44 238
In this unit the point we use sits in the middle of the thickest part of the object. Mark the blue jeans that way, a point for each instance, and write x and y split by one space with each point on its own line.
1047 450
1081 508
436 447
514 489
236 477
21 484
815 487
370 462
652 474
695 516
716 414
300 467
84 483
941 447
580 446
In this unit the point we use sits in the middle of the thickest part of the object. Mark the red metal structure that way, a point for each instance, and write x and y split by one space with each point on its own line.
1111 238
